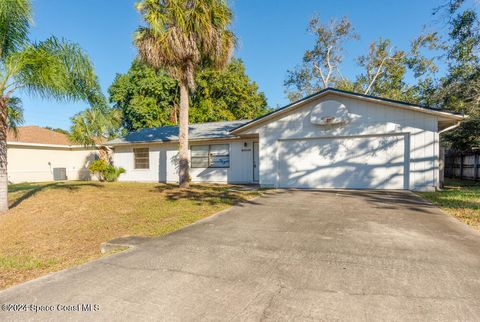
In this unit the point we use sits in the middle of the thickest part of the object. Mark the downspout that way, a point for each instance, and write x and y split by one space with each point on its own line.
450 128
454 126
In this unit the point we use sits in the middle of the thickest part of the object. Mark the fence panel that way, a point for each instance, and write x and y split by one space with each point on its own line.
463 165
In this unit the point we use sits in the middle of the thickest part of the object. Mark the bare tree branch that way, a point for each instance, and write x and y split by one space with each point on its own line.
377 73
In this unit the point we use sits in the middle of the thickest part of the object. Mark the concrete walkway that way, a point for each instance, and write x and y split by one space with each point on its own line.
292 255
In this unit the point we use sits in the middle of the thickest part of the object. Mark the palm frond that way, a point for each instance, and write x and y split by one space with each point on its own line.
14 114
94 125
183 36
15 19
58 69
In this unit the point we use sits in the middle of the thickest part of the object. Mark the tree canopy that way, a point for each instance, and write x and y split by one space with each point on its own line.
321 65
383 68
145 96
149 98
227 95
459 90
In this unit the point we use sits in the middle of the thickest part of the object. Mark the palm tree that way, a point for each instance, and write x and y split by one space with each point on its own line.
96 125
51 68
183 36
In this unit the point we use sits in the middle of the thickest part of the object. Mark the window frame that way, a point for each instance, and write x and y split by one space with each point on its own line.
209 156
147 158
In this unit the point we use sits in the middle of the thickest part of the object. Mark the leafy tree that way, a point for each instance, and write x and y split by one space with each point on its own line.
321 64
51 68
385 68
146 97
183 36
58 130
459 90
226 95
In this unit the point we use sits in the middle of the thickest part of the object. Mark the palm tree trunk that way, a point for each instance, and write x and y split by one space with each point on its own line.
183 175
3 156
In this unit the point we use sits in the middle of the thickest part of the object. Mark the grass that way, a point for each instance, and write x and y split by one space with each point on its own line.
55 225
460 199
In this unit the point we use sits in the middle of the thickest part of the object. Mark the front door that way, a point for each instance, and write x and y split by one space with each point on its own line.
255 162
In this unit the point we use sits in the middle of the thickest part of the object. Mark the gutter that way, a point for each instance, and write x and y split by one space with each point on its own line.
40 145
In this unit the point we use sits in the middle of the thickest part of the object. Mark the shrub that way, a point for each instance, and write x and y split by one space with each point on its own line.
105 171
112 173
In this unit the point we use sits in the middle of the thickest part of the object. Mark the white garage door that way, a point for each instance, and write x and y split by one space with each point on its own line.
357 162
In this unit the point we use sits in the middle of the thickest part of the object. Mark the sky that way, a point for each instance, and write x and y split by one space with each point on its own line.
271 34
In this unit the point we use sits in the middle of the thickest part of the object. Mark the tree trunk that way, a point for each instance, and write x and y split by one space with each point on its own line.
3 156
105 153
183 175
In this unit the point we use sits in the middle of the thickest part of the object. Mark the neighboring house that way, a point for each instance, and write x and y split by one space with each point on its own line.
37 154
333 139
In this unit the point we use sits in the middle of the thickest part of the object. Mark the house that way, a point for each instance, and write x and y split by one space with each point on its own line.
38 154
332 139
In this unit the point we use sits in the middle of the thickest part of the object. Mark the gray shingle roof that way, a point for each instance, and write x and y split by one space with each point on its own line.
212 130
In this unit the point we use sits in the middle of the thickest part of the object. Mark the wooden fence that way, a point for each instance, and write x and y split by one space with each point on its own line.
462 165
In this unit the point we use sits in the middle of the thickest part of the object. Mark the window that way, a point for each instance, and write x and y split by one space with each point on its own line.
199 156
219 156
141 158
210 156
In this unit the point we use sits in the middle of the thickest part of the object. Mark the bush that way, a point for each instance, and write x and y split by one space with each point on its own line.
105 171
112 173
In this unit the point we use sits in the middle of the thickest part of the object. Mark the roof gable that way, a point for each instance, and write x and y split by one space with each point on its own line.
328 91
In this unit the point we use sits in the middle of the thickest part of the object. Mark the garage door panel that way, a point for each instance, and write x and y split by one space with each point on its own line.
361 162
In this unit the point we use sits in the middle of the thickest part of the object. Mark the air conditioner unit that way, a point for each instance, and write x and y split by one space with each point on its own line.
59 174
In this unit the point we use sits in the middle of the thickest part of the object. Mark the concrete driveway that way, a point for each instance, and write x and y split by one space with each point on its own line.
292 255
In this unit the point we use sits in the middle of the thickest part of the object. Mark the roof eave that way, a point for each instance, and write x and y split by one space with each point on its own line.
58 146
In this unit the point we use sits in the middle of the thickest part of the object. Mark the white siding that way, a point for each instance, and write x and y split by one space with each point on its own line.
35 164
123 157
163 164
367 119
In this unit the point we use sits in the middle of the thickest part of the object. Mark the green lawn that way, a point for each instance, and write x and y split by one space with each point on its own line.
460 199
55 225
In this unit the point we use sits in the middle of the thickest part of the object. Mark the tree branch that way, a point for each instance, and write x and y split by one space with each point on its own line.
340 73
319 69
330 68
377 73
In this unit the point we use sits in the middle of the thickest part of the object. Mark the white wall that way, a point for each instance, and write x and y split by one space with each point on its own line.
163 163
367 119
35 164
123 157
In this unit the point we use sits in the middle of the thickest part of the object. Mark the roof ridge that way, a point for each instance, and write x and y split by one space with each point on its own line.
171 126
206 130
